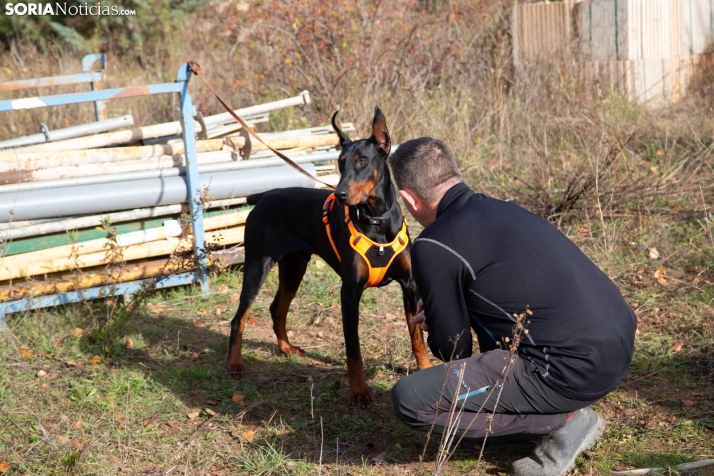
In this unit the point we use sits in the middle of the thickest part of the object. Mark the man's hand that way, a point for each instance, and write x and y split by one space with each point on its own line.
419 317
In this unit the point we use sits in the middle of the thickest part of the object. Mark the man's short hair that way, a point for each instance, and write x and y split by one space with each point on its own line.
422 166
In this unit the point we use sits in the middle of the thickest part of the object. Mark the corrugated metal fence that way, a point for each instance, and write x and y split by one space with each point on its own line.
647 50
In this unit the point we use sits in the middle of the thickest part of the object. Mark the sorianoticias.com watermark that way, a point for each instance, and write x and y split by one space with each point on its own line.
62 8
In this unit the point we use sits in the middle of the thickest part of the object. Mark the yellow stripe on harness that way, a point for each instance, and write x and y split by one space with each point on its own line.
362 245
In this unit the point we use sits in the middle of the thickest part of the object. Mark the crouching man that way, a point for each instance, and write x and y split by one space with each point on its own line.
479 262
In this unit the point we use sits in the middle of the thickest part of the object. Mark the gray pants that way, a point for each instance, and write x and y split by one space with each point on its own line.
526 404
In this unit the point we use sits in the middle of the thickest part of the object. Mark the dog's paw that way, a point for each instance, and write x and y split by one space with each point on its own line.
235 370
289 350
424 363
361 398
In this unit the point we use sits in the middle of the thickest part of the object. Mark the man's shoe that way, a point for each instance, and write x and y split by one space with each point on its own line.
555 454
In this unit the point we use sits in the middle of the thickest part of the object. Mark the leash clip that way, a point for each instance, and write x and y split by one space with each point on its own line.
381 251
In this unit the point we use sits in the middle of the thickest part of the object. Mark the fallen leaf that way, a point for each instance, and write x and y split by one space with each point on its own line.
76 332
697 394
653 253
4 466
95 360
235 297
63 439
389 316
659 274
688 403
218 311
71 363
213 403
173 424
620 468
129 343
319 264
193 414
249 435
223 288
77 425
58 342
210 412
119 416
677 347
253 320
148 421
237 398
41 374
78 442
379 458
27 354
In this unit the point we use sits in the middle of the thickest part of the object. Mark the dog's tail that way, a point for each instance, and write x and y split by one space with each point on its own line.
253 199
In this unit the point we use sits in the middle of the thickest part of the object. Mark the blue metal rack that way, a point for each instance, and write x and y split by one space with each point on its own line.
179 87
88 76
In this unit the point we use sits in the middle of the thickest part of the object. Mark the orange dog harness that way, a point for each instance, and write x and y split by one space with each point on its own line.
377 256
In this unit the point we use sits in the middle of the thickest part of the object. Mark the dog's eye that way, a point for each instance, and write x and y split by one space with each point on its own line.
363 161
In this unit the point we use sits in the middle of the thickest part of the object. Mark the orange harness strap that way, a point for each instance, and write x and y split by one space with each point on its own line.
361 244
326 209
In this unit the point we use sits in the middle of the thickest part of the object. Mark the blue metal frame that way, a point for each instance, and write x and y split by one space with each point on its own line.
100 110
99 292
193 182
88 76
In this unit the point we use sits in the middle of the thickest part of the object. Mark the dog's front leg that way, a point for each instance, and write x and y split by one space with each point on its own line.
410 297
359 394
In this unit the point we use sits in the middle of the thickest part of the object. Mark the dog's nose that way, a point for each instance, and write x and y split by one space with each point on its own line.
341 195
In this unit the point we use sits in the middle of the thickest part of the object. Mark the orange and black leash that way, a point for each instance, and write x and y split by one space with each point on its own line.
196 69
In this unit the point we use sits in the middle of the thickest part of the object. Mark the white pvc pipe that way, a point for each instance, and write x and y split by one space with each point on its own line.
23 161
114 196
70 132
59 225
164 173
115 138
299 100
105 168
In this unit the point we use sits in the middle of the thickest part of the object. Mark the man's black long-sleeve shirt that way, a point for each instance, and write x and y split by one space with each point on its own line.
483 259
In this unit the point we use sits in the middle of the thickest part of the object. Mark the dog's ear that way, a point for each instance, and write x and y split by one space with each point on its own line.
380 134
340 134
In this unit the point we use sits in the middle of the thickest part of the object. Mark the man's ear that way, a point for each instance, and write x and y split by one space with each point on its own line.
340 134
410 199
380 134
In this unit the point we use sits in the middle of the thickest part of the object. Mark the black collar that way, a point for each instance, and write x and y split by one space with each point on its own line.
361 215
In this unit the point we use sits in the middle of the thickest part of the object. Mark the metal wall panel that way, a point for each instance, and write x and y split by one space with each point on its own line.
646 50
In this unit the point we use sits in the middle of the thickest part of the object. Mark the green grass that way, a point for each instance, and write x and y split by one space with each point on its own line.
156 399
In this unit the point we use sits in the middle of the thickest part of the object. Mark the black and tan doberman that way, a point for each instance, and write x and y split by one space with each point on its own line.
359 230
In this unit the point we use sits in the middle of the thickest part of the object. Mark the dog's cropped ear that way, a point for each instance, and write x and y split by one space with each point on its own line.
340 134
380 134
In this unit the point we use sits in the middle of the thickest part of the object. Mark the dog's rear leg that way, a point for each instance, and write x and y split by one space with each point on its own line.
409 295
254 274
291 269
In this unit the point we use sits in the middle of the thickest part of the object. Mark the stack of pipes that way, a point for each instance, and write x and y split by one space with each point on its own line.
92 205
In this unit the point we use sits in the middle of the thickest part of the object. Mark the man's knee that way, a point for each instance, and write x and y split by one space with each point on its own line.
414 398
403 404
